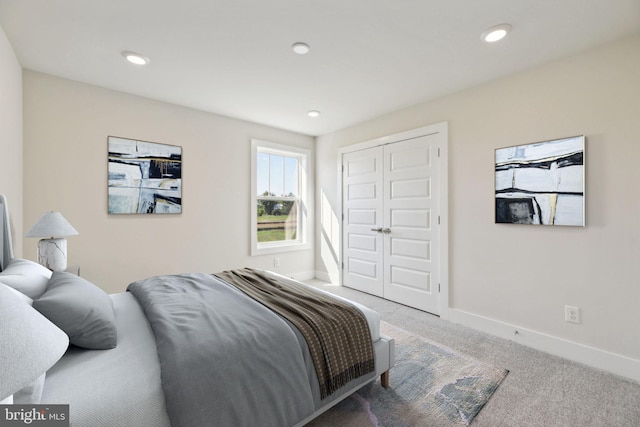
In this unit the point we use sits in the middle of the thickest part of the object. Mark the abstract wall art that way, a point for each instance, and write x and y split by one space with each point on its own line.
541 183
144 177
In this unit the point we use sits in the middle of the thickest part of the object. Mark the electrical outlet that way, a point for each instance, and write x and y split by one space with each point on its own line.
571 314
276 262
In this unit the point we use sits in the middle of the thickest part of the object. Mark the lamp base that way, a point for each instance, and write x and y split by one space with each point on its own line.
52 253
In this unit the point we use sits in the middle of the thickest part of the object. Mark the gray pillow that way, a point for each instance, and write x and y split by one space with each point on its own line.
26 276
81 309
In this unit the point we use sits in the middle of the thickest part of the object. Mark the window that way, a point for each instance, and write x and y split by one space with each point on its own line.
279 219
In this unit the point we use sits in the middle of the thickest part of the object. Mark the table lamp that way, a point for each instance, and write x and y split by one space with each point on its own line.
29 344
52 249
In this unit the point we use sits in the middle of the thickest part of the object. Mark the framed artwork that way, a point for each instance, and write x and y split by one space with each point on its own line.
144 177
541 183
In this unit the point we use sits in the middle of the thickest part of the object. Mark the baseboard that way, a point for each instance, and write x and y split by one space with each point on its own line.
591 356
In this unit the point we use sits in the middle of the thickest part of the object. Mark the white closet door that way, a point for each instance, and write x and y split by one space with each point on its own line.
411 246
390 241
362 209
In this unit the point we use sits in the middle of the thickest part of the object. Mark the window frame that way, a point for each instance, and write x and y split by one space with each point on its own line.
303 234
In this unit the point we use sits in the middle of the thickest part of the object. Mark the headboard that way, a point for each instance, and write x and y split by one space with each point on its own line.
6 247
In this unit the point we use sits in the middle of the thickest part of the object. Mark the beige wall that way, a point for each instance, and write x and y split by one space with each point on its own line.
525 275
11 137
65 157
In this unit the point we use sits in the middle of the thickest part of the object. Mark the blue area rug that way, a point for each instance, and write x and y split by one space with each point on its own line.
430 385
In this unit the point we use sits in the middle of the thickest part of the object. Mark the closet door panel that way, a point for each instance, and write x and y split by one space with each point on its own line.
410 206
362 210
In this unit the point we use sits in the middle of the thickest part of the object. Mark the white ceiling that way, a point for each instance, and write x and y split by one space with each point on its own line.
368 57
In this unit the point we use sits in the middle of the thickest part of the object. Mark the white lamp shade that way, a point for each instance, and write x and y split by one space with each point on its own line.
29 343
51 224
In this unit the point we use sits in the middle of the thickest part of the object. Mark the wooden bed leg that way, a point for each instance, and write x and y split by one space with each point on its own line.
384 379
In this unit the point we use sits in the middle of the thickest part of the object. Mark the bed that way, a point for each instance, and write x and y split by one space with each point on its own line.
152 359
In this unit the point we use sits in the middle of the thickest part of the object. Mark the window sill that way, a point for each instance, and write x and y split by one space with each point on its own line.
274 249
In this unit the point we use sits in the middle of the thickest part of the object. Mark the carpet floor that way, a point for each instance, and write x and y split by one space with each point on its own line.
540 389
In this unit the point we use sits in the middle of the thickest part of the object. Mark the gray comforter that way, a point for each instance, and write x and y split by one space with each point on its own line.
223 356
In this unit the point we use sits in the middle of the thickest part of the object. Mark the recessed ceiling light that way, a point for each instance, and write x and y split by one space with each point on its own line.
300 48
496 33
135 58
313 113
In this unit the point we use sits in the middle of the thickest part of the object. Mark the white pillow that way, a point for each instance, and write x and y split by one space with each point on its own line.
26 276
19 294
31 394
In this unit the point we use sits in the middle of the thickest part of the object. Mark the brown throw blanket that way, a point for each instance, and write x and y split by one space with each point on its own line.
337 333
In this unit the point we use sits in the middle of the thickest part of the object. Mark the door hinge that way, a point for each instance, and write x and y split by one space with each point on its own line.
438 219
438 151
438 287
342 265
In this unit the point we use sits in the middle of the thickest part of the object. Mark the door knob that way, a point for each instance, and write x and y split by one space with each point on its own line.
379 230
386 230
